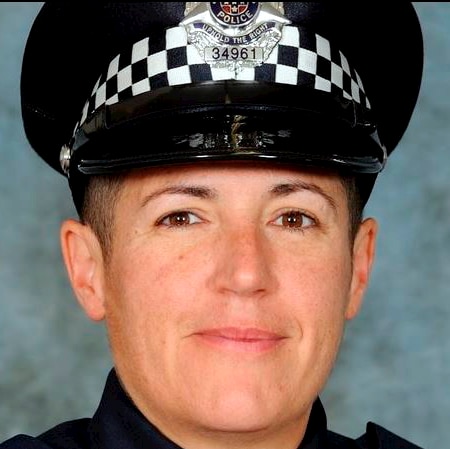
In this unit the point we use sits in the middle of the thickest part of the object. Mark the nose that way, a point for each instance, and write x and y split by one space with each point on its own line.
244 263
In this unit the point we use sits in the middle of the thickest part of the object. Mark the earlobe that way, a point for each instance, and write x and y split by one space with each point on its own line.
363 257
84 263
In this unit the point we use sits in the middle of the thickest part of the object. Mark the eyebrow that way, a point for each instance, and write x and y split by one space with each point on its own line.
288 188
189 190
278 190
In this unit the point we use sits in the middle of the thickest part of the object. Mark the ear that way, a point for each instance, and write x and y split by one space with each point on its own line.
363 257
83 258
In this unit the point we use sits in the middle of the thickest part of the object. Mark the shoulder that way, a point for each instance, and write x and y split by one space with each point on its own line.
377 437
71 434
23 442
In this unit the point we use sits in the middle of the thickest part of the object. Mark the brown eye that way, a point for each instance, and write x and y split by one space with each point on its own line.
181 218
294 219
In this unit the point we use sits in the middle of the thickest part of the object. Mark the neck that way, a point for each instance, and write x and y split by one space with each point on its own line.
287 436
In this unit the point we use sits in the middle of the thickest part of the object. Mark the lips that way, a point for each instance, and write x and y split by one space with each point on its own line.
241 339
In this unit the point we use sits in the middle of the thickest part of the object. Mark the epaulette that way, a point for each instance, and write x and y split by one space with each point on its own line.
377 437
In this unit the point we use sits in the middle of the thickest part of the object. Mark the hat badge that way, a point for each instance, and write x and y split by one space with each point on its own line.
234 35
234 14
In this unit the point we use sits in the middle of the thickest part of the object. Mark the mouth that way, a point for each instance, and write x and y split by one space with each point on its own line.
241 339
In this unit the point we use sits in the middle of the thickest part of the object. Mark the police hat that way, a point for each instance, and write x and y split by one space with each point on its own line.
115 86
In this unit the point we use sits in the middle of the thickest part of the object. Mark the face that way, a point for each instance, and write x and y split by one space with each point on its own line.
226 293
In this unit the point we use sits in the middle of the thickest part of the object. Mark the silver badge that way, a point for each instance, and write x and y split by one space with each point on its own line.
234 35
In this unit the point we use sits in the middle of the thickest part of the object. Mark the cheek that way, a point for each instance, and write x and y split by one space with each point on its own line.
150 286
318 286
323 273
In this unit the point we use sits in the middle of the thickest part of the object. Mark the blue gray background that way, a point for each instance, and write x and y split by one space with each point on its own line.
394 366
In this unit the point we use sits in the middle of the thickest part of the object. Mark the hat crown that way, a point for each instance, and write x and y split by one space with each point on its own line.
380 46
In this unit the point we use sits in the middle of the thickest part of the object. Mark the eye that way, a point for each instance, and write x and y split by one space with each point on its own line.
294 219
178 219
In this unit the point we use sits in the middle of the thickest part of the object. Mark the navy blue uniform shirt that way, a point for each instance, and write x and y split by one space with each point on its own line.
118 424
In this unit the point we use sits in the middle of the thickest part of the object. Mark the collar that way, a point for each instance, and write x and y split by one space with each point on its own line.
118 424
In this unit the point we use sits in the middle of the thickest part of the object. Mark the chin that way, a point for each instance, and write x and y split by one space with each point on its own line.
240 411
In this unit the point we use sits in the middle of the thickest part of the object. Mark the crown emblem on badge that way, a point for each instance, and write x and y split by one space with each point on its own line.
234 35
234 14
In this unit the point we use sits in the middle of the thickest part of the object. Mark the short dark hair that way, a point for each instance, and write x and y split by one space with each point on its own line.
96 206
357 190
100 193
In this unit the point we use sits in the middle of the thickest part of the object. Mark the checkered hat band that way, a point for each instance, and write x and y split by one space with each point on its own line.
300 58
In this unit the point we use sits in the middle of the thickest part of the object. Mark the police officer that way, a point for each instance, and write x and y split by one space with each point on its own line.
219 156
